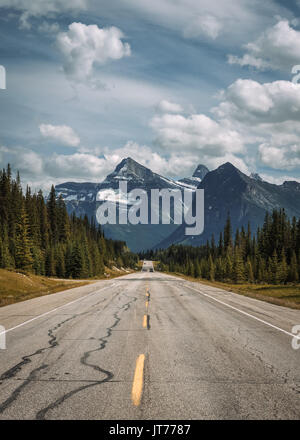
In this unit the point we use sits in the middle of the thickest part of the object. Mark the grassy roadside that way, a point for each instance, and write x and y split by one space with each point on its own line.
16 287
286 296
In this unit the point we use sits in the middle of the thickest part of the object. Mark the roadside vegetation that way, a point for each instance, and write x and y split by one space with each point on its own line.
264 265
283 295
271 256
39 237
16 286
19 286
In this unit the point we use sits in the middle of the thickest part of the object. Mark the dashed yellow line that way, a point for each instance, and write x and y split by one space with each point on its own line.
145 321
137 386
147 304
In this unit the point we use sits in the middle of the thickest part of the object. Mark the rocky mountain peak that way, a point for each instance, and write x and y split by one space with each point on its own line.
201 171
228 167
291 184
129 169
256 176
226 174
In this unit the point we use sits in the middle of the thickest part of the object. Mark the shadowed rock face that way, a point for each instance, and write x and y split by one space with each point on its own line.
256 176
247 199
198 175
201 172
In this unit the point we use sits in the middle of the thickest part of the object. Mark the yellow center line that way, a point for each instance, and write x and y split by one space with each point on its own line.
147 304
145 321
137 386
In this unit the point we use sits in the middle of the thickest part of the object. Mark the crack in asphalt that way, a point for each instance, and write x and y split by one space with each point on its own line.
13 371
84 360
19 389
27 358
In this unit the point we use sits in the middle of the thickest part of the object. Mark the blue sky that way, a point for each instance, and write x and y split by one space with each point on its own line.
170 83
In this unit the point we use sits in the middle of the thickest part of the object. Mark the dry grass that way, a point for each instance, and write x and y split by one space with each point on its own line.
15 286
283 295
114 273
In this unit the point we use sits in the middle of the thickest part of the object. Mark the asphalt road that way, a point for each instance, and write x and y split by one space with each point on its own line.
148 346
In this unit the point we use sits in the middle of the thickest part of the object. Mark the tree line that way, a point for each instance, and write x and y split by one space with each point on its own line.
38 236
271 255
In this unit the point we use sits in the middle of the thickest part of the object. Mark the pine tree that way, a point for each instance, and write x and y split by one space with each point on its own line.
6 260
228 233
249 271
293 269
211 269
238 267
190 268
77 261
197 269
63 221
43 221
23 256
220 269
38 264
97 260
220 245
50 263
282 268
228 266
60 266
274 268
52 215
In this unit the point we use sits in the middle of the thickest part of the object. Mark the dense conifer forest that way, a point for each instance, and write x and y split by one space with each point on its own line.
271 255
38 236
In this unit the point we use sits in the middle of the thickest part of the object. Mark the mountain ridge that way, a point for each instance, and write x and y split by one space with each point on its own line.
227 189
85 198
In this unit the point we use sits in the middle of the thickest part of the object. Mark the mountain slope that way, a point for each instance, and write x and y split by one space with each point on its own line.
198 175
227 189
85 198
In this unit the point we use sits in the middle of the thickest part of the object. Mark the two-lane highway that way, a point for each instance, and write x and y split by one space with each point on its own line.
148 346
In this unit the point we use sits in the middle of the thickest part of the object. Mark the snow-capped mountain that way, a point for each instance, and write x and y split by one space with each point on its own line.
84 198
226 189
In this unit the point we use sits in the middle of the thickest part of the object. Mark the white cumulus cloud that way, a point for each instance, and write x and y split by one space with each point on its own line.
253 103
83 46
266 114
28 162
165 106
278 47
196 132
62 133
283 157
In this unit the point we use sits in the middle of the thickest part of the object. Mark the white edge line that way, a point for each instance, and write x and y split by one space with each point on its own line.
245 313
53 310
